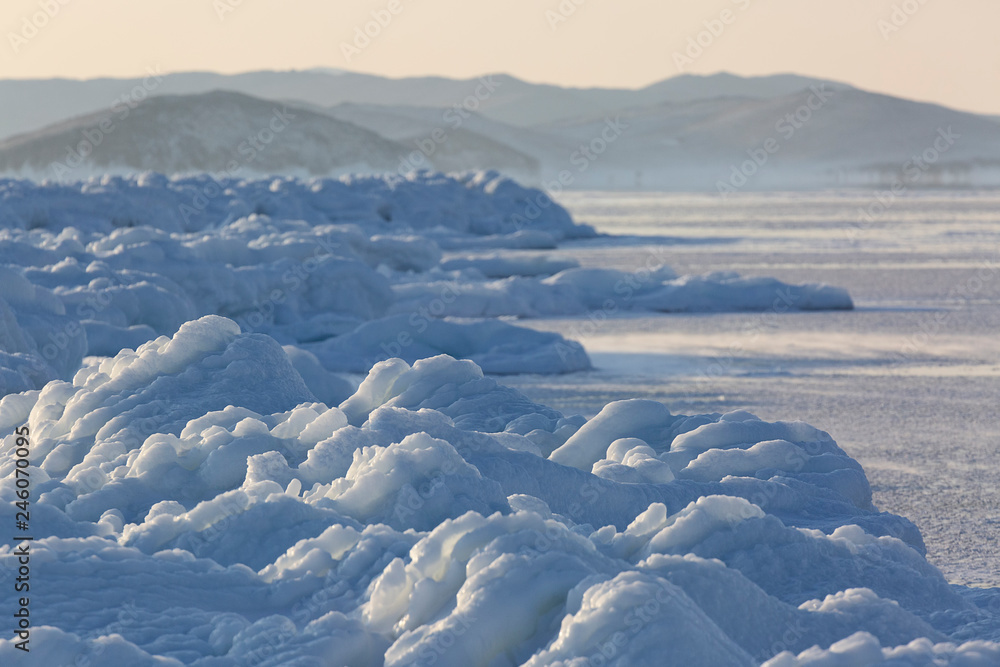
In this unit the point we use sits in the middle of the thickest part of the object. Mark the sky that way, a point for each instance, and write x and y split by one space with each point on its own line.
929 50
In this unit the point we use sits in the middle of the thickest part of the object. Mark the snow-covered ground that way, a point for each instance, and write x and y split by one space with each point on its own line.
908 382
218 493
347 272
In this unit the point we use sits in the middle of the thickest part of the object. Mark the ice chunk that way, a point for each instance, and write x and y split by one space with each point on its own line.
631 619
864 649
647 420
417 483
495 346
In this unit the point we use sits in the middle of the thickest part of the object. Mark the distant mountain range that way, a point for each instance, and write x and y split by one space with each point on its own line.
715 133
33 104
815 138
217 132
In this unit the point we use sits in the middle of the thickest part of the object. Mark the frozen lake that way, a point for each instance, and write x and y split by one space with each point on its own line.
192 495
908 383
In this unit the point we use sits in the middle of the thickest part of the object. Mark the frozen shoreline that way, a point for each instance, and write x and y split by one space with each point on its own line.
195 503
850 373
433 497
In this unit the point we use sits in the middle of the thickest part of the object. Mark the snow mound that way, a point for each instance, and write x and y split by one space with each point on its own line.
497 266
497 347
38 340
349 271
475 204
91 268
579 291
863 649
194 504
630 619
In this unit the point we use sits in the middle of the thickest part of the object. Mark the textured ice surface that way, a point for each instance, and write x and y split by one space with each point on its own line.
195 504
909 382
207 491
352 271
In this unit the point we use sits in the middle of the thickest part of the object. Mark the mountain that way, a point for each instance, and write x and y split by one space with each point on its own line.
458 141
211 132
693 87
33 104
850 138
689 132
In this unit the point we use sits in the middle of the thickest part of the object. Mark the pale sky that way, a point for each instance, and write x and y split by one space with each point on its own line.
945 51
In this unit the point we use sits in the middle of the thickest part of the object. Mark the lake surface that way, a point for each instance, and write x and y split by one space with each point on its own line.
908 383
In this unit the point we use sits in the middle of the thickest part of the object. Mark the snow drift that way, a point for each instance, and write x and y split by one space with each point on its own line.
206 490
345 272
94 267
194 504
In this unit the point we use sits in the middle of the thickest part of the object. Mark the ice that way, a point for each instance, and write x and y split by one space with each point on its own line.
630 619
38 340
631 459
55 647
445 387
863 649
661 289
327 387
351 270
582 291
420 521
416 483
496 346
645 420
497 266
114 262
209 491
475 204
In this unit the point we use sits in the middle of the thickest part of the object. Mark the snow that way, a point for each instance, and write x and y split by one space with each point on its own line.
198 484
638 419
630 618
685 134
217 495
863 648
497 347
497 266
350 271
580 291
